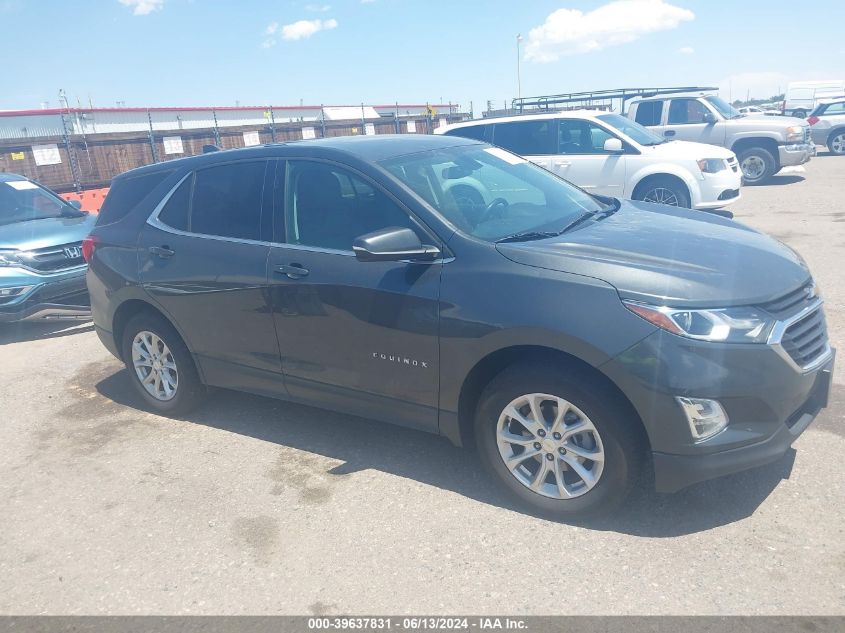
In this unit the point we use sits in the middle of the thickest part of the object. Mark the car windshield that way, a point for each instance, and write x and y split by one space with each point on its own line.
490 193
724 108
630 128
22 201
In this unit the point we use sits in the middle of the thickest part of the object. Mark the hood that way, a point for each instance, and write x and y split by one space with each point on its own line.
686 150
669 256
26 236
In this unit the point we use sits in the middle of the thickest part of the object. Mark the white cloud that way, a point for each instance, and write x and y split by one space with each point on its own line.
318 8
143 7
271 28
570 31
686 50
306 28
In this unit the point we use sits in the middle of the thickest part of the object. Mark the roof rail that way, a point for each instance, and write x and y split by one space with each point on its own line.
599 97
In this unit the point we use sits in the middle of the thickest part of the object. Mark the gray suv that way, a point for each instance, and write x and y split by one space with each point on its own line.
763 144
575 340
827 123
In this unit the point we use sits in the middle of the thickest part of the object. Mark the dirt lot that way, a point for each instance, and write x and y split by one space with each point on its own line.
257 506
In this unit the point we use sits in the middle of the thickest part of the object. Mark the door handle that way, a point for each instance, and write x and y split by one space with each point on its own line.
162 251
563 163
293 271
669 133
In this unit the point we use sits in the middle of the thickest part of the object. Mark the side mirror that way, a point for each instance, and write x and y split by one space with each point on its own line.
709 118
613 145
392 244
76 204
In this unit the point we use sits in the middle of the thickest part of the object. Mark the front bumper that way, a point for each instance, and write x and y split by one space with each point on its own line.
719 189
61 297
795 154
768 399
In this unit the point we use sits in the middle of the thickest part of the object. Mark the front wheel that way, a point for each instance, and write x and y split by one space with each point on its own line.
557 442
799 114
757 164
836 143
160 366
663 191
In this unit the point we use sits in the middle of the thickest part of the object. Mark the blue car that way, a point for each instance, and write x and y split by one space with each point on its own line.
42 269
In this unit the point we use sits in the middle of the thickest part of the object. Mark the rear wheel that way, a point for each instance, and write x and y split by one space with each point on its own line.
757 164
800 114
663 191
160 366
836 143
557 442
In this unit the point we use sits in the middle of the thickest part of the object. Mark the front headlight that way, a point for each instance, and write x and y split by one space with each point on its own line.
711 165
725 325
9 258
794 134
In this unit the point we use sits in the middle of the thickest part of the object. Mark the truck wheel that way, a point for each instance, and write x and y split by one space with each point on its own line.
160 366
800 114
757 165
662 191
836 143
558 442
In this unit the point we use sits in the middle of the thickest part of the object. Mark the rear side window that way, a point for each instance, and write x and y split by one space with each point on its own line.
527 138
475 132
125 194
649 113
175 211
227 200
833 108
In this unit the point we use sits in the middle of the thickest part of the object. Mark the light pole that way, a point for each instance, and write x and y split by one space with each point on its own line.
518 76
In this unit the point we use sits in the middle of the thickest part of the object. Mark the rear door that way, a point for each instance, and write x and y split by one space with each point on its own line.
534 139
203 258
581 158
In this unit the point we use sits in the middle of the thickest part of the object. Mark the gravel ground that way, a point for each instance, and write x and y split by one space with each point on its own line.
254 506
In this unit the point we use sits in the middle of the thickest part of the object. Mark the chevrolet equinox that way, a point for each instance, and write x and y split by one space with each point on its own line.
577 341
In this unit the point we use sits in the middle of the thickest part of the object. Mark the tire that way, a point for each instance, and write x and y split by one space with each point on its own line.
757 165
662 190
836 142
611 430
799 114
187 391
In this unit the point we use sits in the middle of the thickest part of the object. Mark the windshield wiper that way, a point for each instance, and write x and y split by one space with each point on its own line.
527 236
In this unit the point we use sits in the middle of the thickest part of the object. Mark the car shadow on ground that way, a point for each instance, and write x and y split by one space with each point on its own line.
364 444
24 331
783 179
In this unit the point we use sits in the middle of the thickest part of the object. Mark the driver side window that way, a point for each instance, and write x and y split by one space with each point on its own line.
686 111
328 207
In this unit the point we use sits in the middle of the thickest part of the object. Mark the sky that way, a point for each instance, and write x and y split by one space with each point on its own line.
283 52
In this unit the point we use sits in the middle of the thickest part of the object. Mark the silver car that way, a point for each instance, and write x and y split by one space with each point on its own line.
827 126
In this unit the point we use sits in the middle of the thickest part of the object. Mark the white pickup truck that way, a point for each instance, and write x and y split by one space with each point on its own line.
610 155
763 144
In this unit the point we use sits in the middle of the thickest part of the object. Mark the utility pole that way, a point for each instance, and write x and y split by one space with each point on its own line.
518 70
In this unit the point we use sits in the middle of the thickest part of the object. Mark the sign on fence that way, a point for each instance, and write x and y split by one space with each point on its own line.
173 145
308 132
370 129
46 154
17 155
412 126
251 138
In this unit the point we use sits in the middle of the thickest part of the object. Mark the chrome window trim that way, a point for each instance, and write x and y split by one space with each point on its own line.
155 222
779 329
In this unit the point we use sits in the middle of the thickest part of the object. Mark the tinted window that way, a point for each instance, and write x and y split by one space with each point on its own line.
329 207
227 200
576 136
125 194
683 111
175 211
834 108
649 113
23 200
473 131
527 138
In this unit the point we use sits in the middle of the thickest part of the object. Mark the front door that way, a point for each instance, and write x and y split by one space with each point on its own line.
203 260
360 337
582 159
685 121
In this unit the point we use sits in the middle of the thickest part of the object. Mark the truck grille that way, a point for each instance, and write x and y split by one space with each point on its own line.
54 258
806 340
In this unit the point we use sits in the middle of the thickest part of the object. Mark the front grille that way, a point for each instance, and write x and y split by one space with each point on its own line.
806 340
807 134
54 258
729 194
791 303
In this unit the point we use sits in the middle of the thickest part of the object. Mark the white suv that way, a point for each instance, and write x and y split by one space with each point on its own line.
608 154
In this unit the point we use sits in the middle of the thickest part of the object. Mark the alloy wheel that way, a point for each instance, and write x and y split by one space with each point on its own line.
837 143
753 167
661 195
155 366
550 446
